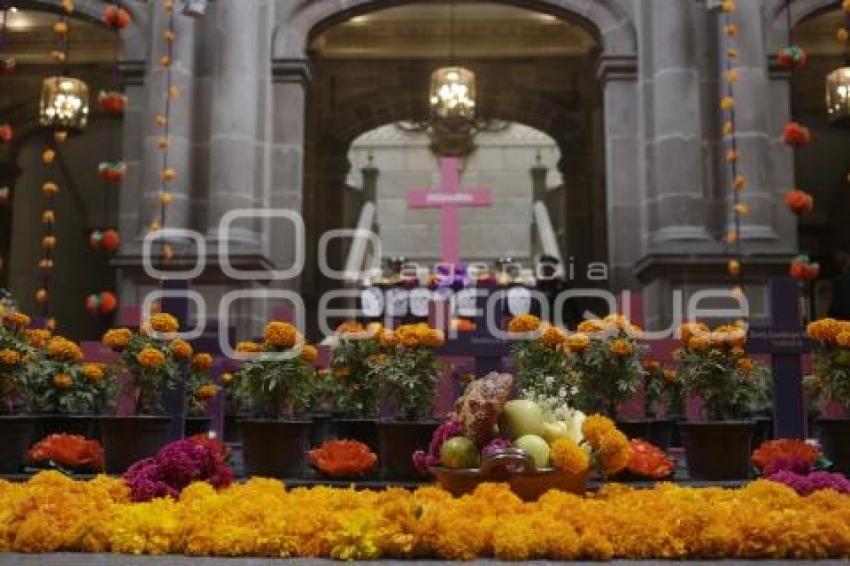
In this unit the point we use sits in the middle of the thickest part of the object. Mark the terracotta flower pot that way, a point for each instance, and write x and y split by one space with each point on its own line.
834 435
126 440
275 448
718 450
17 435
399 440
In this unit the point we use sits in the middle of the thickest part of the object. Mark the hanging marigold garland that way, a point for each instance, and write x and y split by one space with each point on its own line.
163 121
50 187
733 155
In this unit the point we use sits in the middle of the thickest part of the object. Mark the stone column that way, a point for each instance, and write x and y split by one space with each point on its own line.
767 228
678 198
234 177
131 221
180 123
290 78
622 168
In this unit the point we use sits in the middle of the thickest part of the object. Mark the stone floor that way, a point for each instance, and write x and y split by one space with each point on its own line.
120 560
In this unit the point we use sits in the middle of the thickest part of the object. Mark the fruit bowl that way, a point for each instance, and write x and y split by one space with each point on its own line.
514 467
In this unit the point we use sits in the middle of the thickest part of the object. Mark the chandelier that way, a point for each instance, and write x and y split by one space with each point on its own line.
64 103
452 93
838 96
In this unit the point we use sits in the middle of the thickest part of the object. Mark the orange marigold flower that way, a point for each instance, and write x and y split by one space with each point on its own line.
407 336
591 326
202 362
614 453
343 458
552 336
207 391
117 339
63 381
93 372
670 375
280 334
164 323
524 323
621 347
341 372
843 339
434 338
10 357
745 366
825 330
151 358
60 348
181 349
699 343
309 353
226 378
577 342
690 329
569 456
37 338
595 428
387 339
18 319
350 327
248 347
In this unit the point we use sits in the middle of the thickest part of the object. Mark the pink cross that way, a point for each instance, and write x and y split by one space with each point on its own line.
449 198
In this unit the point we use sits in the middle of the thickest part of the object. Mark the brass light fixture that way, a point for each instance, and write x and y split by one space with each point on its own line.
64 103
838 96
453 93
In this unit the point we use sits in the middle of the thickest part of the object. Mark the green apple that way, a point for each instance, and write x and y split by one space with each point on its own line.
459 452
555 430
535 447
521 417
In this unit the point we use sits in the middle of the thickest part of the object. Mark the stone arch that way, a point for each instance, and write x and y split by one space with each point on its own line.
608 19
134 37
776 18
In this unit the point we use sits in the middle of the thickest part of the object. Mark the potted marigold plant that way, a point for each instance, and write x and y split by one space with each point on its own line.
714 366
151 359
831 382
664 401
544 357
200 391
17 428
275 385
357 399
67 394
610 369
407 371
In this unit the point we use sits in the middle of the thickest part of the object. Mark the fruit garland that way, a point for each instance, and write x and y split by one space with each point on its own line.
796 136
167 174
50 188
727 105
112 103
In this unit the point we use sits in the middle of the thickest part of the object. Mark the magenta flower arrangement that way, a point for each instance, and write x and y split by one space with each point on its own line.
806 484
176 466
